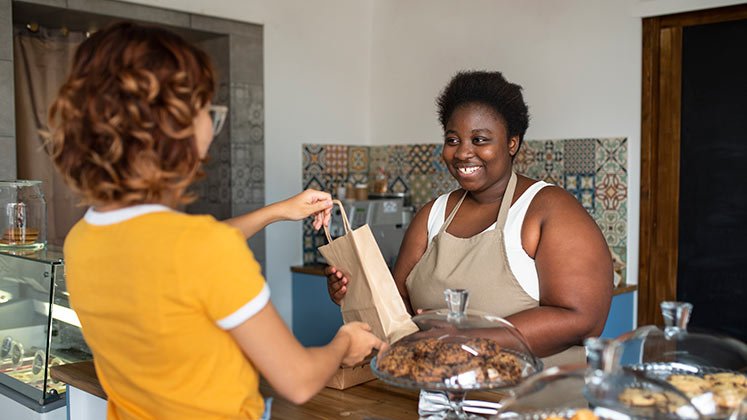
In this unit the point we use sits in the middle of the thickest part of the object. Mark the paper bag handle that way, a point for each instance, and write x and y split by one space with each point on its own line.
345 221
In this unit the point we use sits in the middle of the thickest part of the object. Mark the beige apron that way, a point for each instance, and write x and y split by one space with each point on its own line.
480 265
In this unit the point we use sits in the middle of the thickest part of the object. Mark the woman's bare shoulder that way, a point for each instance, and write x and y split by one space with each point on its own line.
553 198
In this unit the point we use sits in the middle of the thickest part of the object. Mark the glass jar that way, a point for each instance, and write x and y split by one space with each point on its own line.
23 215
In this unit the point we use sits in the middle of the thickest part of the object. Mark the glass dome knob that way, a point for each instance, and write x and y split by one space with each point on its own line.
456 302
676 316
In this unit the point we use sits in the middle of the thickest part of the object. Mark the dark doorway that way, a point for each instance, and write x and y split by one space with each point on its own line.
693 145
713 191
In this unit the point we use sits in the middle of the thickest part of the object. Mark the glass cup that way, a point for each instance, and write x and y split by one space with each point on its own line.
23 215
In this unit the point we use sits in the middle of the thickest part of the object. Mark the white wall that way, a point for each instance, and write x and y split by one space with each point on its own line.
316 71
579 62
368 71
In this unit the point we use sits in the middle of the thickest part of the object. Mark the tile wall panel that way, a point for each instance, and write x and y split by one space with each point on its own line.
592 170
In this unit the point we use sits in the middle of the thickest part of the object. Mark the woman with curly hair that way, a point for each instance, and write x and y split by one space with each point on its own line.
526 250
173 306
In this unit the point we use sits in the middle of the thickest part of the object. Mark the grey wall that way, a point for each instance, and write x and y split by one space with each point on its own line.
235 172
7 113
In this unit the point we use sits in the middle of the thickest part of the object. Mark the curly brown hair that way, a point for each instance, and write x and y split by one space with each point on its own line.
121 127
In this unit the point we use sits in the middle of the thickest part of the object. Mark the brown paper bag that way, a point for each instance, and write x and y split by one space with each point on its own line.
372 296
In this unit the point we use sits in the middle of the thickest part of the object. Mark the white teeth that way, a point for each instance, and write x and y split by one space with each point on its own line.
468 170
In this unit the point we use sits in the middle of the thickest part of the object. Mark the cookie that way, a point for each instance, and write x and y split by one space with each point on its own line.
690 385
638 397
726 378
728 396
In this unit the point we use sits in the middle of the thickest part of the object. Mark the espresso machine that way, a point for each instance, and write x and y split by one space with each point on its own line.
388 218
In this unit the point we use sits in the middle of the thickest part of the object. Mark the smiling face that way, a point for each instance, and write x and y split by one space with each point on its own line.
477 149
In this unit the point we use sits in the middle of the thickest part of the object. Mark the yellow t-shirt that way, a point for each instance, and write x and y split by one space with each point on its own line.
156 291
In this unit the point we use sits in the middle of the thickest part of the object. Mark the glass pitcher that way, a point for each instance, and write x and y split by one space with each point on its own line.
23 215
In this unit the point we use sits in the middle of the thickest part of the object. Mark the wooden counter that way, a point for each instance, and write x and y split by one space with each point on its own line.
373 400
81 375
318 270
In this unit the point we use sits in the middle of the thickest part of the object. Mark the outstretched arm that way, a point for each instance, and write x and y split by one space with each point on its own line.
298 207
296 372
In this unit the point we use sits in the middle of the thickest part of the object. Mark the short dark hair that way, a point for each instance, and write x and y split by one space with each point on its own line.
121 127
488 88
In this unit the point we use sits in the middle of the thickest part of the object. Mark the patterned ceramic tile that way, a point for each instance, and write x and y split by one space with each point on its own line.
399 184
546 157
313 158
358 159
437 161
247 105
441 183
611 190
420 158
357 179
378 157
420 189
613 225
313 181
399 163
581 185
247 173
619 261
525 159
612 151
580 155
336 159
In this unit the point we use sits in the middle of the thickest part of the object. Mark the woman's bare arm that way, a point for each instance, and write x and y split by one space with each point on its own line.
575 273
298 207
296 372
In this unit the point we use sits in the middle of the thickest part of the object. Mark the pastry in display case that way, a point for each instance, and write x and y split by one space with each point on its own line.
599 390
37 327
457 350
710 369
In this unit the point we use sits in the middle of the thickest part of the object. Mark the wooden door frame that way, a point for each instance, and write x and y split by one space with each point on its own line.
660 153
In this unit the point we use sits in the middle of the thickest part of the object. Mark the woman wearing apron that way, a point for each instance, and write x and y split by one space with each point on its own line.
526 250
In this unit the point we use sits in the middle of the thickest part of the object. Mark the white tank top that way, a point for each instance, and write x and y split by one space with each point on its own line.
522 265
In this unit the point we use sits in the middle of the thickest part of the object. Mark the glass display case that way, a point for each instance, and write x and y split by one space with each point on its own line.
37 327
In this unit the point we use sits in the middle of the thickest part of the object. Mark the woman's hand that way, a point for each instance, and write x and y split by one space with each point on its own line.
336 284
362 342
298 207
307 203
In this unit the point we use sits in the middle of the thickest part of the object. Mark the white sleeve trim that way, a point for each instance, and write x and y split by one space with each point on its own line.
247 311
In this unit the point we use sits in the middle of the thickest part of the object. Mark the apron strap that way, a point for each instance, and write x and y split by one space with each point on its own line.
508 196
452 214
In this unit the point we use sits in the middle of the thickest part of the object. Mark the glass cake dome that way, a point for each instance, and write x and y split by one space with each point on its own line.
711 370
599 390
457 350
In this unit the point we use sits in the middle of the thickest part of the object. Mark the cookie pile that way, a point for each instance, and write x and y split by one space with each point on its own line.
431 360
728 390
